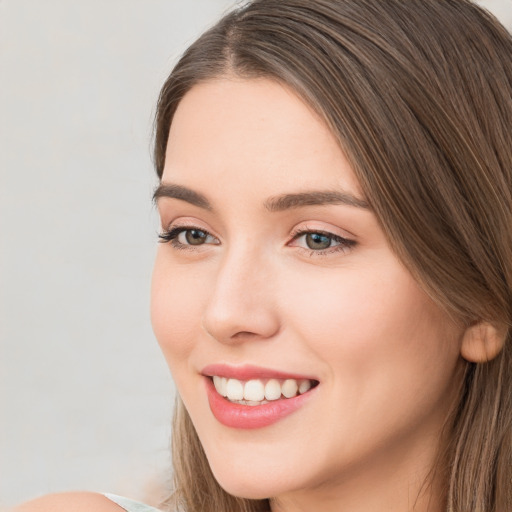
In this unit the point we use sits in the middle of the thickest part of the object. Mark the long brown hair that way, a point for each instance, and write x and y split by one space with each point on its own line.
419 95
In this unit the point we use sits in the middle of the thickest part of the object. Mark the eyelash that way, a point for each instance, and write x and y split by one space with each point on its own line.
171 236
344 244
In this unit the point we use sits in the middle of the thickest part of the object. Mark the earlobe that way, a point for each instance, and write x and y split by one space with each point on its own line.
483 341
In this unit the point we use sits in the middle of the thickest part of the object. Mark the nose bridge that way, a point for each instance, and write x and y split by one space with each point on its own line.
241 302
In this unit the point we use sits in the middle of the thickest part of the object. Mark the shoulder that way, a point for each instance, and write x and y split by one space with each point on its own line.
69 502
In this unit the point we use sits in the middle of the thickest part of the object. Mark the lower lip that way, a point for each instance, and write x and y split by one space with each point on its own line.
252 416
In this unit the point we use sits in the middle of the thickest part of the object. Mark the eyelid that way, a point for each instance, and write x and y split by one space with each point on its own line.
344 244
185 222
171 234
332 231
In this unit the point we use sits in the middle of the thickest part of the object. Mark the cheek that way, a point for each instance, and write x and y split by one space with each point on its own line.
373 325
345 309
175 309
389 355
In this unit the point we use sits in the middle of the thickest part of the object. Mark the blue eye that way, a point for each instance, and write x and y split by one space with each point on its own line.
319 242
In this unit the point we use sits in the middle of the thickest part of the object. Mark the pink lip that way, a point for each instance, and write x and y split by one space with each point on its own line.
248 372
246 416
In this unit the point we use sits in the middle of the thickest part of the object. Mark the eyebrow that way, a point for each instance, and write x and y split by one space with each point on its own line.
180 192
314 198
273 204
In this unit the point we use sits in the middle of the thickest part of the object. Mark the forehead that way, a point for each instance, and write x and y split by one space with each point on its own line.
256 130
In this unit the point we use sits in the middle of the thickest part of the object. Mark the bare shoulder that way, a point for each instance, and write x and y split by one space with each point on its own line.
69 502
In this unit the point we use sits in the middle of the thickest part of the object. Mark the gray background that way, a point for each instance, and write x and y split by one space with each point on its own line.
85 395
86 398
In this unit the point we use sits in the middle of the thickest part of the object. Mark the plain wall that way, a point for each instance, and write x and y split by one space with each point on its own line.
86 398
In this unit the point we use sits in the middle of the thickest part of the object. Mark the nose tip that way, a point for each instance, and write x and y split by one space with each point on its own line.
241 306
238 327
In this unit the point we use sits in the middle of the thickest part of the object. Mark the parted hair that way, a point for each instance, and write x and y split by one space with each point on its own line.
419 95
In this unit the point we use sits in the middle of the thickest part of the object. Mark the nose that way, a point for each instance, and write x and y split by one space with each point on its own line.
241 305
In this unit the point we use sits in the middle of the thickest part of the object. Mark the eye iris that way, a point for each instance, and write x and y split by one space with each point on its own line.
195 236
318 241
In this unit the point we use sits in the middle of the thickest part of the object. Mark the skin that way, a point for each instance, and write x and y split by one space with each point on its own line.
69 502
387 358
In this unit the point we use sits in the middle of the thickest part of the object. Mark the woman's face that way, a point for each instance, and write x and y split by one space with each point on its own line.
275 271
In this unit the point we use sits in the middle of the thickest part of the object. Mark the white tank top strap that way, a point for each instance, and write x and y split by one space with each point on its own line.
130 505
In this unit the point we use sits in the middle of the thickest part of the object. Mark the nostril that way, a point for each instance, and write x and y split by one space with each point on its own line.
244 334
242 327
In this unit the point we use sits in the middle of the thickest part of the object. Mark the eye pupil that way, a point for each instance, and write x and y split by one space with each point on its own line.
195 236
318 241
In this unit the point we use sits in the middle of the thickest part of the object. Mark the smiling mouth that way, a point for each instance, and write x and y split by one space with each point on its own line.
260 391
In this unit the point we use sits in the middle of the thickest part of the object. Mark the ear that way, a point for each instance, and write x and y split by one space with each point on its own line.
482 341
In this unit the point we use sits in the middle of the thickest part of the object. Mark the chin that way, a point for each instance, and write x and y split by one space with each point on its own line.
249 488
248 479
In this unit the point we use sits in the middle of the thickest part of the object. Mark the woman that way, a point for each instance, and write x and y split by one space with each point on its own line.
333 290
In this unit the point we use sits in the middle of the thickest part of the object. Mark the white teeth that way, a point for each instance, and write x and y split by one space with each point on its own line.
290 388
220 384
272 389
254 391
217 383
234 390
305 385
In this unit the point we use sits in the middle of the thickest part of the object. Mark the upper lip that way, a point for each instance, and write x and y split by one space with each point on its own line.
248 372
